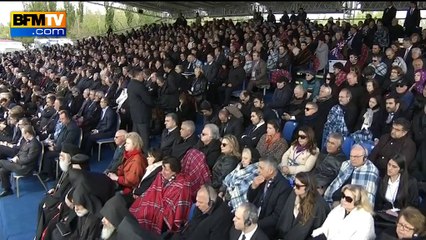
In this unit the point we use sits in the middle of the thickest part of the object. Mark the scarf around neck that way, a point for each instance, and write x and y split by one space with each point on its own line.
131 153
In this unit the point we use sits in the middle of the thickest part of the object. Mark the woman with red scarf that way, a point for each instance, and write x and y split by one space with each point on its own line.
271 143
133 166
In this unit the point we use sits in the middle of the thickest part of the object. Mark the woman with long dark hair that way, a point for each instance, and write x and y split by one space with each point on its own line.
397 189
302 154
304 211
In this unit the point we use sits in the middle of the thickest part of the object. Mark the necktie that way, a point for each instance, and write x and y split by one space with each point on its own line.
390 117
244 237
406 53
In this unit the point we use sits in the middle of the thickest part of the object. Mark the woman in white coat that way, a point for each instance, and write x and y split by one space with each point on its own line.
351 220
302 154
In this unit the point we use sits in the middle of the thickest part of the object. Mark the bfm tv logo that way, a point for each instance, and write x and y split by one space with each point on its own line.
38 24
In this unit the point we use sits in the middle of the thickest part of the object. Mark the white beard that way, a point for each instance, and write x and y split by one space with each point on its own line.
107 232
82 213
64 166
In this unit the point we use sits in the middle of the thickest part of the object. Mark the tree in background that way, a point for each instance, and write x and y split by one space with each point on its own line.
109 15
71 14
51 6
129 15
36 6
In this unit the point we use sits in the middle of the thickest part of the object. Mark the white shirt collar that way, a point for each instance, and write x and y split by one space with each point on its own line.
250 234
260 124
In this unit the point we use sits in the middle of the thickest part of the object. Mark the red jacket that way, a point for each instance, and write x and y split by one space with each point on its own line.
131 171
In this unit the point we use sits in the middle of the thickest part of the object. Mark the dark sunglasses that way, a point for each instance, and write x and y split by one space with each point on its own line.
347 198
224 144
307 109
299 186
302 137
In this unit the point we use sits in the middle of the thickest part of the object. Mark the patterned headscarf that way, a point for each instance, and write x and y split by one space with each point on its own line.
420 84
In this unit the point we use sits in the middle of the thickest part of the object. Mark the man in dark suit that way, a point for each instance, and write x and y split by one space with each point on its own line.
412 20
229 124
388 14
254 132
92 113
245 224
170 133
117 158
23 163
212 217
106 127
70 133
9 147
141 104
269 192
186 140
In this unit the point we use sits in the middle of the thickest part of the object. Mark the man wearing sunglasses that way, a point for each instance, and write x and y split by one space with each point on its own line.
357 170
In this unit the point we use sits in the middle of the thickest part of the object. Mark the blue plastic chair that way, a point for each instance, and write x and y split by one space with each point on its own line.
347 145
191 211
368 146
288 130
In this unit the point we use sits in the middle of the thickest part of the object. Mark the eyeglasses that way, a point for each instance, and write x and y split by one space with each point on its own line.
307 109
375 61
400 85
328 78
302 137
299 186
404 227
224 144
347 198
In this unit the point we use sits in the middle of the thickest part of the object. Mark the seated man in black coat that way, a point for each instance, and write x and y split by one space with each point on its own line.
209 144
10 147
186 140
212 218
254 132
245 223
106 127
170 133
229 124
268 113
269 192
23 163
328 165
70 133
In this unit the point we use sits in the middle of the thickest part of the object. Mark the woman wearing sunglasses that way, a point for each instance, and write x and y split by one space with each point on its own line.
351 220
411 224
227 161
236 183
304 210
302 154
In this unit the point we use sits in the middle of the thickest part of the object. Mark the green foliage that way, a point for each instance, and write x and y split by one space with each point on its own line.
80 12
109 15
129 15
94 23
71 15
51 6
35 6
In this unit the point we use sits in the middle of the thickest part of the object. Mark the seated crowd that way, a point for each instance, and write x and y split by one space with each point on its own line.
353 168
